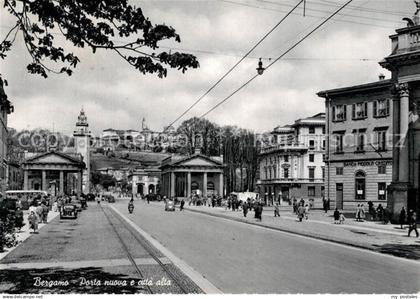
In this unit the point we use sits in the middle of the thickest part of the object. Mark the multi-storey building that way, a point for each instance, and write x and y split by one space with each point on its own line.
359 150
292 166
5 109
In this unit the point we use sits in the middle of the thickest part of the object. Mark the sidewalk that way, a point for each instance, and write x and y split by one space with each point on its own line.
26 232
388 239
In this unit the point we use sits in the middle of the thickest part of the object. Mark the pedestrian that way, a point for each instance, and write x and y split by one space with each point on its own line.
358 213
45 211
245 208
412 223
306 211
33 221
336 216
295 207
362 213
148 198
380 212
19 218
301 212
402 217
39 210
342 218
181 207
213 201
260 210
276 210
324 205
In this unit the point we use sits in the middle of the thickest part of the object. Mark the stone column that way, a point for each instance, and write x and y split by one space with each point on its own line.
79 183
25 180
44 180
61 182
403 133
221 184
188 184
205 184
172 194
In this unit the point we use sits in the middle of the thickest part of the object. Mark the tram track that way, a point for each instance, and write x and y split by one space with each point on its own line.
167 268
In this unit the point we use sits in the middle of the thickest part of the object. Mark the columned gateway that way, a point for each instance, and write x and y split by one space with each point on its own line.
54 172
404 63
195 174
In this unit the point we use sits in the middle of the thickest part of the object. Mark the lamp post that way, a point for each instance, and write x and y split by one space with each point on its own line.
260 69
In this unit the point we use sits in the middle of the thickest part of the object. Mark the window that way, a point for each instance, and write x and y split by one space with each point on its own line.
311 173
323 144
381 139
286 173
323 158
311 144
311 130
274 172
323 130
382 191
269 170
338 142
323 172
265 173
339 113
339 170
360 141
311 157
382 169
360 185
286 158
311 191
381 108
359 110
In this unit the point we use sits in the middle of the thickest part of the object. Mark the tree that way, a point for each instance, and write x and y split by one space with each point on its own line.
97 24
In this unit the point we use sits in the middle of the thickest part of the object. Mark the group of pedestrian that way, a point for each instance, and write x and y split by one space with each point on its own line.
38 214
360 213
338 217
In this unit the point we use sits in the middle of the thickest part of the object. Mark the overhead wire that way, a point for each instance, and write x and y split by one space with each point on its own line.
236 64
277 59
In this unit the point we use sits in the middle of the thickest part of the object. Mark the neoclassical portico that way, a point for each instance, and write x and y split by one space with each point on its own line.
53 172
195 174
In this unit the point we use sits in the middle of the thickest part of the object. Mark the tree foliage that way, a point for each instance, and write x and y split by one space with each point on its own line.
97 24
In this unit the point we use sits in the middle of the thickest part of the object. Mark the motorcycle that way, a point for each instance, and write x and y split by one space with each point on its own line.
130 208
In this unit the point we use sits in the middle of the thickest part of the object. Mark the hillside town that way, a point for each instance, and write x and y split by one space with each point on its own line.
328 197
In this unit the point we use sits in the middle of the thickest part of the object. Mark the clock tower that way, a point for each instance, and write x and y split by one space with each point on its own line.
82 145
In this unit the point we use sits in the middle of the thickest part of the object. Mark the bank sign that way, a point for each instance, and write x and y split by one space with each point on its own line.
367 163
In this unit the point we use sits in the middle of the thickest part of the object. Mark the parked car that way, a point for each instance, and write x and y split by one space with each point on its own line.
110 198
68 211
78 204
170 205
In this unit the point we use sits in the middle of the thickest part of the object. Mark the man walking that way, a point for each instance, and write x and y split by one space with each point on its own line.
276 210
181 207
402 217
412 224
245 208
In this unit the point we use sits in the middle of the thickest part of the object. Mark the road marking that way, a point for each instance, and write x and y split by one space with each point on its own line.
399 259
83 264
196 277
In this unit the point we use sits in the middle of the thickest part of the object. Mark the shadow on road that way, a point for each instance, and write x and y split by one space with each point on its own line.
411 251
24 281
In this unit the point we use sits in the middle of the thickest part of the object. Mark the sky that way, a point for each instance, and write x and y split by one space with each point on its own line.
344 52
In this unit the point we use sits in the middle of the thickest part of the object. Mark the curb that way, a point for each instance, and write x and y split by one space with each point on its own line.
312 236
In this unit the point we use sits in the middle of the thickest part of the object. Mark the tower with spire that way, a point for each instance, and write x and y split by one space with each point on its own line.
82 145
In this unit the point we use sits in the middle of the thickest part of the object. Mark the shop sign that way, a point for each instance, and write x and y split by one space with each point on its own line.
366 163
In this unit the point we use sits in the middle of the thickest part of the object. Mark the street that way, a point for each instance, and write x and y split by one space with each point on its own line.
240 258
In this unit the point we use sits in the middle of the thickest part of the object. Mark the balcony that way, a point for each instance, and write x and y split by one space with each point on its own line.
284 148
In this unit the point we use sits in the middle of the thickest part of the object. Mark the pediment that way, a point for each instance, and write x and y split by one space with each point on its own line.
52 158
198 161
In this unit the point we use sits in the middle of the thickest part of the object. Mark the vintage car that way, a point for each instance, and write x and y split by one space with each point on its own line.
170 205
68 211
110 198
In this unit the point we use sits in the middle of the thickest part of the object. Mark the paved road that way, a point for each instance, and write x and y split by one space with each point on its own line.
240 258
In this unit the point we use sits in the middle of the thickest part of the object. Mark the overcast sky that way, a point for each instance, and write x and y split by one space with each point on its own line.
344 52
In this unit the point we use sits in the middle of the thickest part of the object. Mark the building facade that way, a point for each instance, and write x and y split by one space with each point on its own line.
359 147
5 109
291 165
404 64
374 132
196 174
